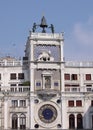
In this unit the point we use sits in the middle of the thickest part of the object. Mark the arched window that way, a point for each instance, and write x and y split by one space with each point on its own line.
22 121
14 121
92 121
79 121
71 121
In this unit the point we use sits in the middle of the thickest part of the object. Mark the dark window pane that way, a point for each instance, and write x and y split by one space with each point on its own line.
71 121
88 76
14 121
21 76
67 77
78 103
74 76
92 103
13 76
71 103
0 76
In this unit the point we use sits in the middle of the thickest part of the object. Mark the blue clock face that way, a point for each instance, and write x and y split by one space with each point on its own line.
47 113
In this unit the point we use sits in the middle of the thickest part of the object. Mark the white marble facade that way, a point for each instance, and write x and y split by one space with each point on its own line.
43 91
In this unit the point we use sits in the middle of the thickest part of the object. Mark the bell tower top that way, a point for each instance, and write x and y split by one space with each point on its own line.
43 25
44 51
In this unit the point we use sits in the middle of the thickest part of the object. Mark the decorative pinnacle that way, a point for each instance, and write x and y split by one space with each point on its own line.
43 25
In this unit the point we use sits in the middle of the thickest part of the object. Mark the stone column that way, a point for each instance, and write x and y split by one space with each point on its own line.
6 118
65 123
18 121
75 121
82 89
32 112
86 114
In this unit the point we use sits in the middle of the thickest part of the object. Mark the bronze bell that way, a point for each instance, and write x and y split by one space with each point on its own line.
43 24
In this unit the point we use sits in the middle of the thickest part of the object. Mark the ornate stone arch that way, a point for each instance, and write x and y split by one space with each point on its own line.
22 121
14 121
79 121
71 121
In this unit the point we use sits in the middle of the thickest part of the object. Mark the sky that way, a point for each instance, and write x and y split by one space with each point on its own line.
73 17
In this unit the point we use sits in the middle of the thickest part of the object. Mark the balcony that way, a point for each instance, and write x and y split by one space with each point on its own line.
75 109
18 109
72 89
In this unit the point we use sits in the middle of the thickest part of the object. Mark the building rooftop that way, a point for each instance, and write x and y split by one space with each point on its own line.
10 61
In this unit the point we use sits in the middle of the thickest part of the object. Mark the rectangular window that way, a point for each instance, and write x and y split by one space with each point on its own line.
13 85
13 76
22 103
71 103
67 85
13 89
78 103
88 76
67 89
0 76
67 76
74 77
20 89
89 89
75 85
74 89
89 85
14 103
20 75
20 84
26 89
92 103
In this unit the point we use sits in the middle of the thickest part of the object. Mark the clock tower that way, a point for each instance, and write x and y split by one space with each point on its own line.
44 51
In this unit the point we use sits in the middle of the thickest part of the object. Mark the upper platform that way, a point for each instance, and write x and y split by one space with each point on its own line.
46 36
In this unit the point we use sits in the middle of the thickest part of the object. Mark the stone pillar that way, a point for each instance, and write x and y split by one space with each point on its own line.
86 114
65 123
62 57
75 121
32 112
32 79
18 121
6 118
82 89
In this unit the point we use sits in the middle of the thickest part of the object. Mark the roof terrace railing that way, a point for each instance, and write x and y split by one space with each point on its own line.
79 64
10 63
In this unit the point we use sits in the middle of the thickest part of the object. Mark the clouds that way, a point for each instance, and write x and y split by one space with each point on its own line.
83 32
79 43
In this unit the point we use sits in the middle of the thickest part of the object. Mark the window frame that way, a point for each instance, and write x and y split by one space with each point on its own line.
66 76
13 76
71 103
78 103
74 77
21 76
88 77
